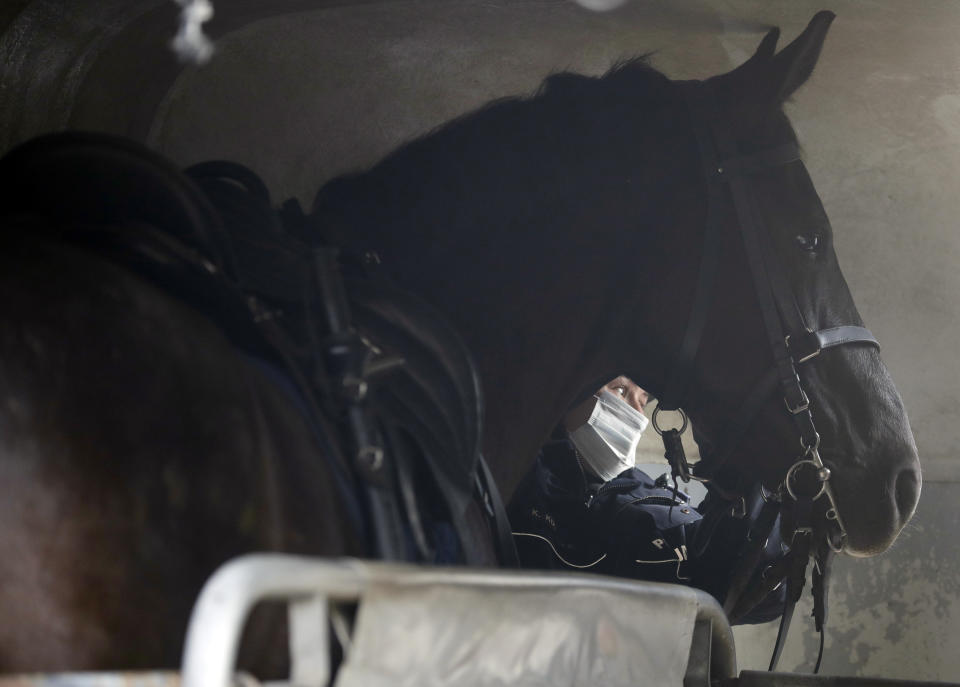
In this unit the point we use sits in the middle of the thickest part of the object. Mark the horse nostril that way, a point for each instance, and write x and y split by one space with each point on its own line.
907 492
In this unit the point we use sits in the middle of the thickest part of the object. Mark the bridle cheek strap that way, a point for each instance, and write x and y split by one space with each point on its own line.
792 343
803 348
728 172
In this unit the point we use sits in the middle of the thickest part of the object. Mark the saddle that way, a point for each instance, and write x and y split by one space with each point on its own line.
368 363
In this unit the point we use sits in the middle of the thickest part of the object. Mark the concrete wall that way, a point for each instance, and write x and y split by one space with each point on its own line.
309 94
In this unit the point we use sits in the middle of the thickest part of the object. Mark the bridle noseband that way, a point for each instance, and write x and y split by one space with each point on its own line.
792 340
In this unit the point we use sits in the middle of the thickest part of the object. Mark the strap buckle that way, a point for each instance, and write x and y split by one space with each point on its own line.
802 405
807 346
739 509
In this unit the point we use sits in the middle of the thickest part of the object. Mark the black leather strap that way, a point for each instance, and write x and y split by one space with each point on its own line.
715 145
758 162
785 618
786 301
675 388
797 561
844 335
490 495
749 560
778 305
813 344
792 342
774 295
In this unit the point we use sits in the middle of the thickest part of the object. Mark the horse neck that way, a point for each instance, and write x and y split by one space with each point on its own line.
543 325
538 324
542 275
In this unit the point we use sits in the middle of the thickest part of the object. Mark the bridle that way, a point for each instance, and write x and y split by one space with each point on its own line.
792 341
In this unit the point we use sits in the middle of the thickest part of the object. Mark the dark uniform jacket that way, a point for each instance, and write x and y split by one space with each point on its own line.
633 526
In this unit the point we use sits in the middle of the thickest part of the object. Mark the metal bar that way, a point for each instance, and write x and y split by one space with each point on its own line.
225 601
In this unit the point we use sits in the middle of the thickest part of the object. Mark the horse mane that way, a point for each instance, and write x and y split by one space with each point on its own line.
515 150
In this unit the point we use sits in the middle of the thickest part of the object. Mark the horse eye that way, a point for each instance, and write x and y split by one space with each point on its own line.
809 243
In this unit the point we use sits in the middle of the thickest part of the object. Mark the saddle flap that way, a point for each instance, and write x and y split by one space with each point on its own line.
436 395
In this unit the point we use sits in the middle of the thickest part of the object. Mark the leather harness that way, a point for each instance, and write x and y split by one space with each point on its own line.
793 341
211 238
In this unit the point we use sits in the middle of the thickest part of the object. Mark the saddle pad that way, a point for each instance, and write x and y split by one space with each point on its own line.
484 636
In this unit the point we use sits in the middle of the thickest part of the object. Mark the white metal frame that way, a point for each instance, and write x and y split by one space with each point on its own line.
309 585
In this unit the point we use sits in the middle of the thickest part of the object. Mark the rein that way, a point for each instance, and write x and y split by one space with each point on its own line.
792 341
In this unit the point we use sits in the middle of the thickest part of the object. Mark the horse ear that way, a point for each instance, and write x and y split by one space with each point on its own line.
760 59
766 49
794 64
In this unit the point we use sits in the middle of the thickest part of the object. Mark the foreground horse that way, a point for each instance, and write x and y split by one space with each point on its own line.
138 449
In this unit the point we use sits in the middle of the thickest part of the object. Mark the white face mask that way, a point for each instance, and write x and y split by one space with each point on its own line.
608 440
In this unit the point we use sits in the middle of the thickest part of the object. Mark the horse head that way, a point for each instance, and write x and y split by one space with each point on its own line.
861 426
562 235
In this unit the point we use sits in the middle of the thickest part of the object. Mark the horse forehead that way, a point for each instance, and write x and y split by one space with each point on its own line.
790 192
766 128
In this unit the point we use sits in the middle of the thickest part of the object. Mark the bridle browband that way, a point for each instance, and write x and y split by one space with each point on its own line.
792 340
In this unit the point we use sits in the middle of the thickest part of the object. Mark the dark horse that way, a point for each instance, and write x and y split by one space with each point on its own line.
138 450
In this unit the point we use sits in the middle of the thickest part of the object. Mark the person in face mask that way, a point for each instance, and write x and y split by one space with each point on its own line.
585 506
567 513
606 428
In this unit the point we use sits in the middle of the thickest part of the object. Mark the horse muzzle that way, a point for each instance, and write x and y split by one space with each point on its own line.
876 504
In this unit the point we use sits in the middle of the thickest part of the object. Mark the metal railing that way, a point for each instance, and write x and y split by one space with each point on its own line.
313 587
